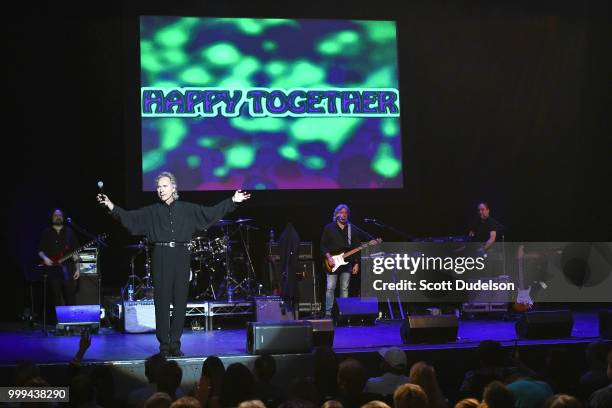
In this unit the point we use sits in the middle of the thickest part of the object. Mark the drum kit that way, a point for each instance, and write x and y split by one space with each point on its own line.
213 260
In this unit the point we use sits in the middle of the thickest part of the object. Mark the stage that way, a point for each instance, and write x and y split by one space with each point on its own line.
125 353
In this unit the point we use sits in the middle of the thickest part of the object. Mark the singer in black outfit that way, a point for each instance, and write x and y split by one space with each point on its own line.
170 225
55 242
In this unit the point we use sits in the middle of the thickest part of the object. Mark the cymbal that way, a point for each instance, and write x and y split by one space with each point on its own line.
222 223
243 220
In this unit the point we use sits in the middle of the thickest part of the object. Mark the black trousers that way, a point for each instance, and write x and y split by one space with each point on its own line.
170 269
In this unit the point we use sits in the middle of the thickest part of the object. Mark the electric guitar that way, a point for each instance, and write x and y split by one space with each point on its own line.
339 259
60 258
523 301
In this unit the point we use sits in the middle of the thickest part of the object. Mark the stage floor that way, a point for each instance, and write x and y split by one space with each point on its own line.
112 346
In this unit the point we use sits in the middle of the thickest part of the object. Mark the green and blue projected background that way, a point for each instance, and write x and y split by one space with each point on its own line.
231 103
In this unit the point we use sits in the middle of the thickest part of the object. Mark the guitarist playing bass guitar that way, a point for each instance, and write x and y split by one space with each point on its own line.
55 242
339 238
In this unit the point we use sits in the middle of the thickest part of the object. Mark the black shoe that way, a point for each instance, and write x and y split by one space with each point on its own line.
176 353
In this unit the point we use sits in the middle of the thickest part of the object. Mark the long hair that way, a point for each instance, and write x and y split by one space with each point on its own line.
175 195
424 375
337 210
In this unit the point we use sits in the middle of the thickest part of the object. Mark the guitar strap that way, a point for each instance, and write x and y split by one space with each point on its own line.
349 234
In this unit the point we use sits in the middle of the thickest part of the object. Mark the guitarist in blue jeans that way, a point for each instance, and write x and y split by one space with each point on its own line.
56 241
338 237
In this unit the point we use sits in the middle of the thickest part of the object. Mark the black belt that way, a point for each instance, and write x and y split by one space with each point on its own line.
172 244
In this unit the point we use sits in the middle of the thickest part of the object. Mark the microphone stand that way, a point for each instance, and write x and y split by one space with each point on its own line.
362 231
404 235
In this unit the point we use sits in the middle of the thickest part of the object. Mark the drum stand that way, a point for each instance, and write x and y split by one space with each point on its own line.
249 280
147 286
210 290
231 285
133 281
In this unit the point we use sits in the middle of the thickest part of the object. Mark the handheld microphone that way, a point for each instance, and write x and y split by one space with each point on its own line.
100 186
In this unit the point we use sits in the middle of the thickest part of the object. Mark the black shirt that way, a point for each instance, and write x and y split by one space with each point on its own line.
175 222
335 241
57 244
482 229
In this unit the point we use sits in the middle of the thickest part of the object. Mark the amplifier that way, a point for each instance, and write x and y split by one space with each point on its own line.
88 261
271 309
139 316
304 250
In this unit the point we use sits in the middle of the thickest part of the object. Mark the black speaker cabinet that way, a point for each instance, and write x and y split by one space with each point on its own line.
307 282
545 324
322 332
355 311
429 329
605 324
88 292
279 338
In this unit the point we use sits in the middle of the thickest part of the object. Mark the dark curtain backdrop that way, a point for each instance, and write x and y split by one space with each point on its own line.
501 101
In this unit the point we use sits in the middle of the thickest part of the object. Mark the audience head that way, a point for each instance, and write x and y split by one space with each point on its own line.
424 375
562 401
375 404
170 378
297 404
351 377
595 354
252 404
325 365
467 403
186 402
394 360
303 389
153 367
497 395
265 368
214 369
410 396
238 385
610 364
81 390
490 353
332 404
24 371
158 400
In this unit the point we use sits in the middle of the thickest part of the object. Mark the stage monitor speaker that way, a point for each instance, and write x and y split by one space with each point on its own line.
356 311
322 332
271 309
605 324
88 292
545 324
429 329
74 319
279 338
139 316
